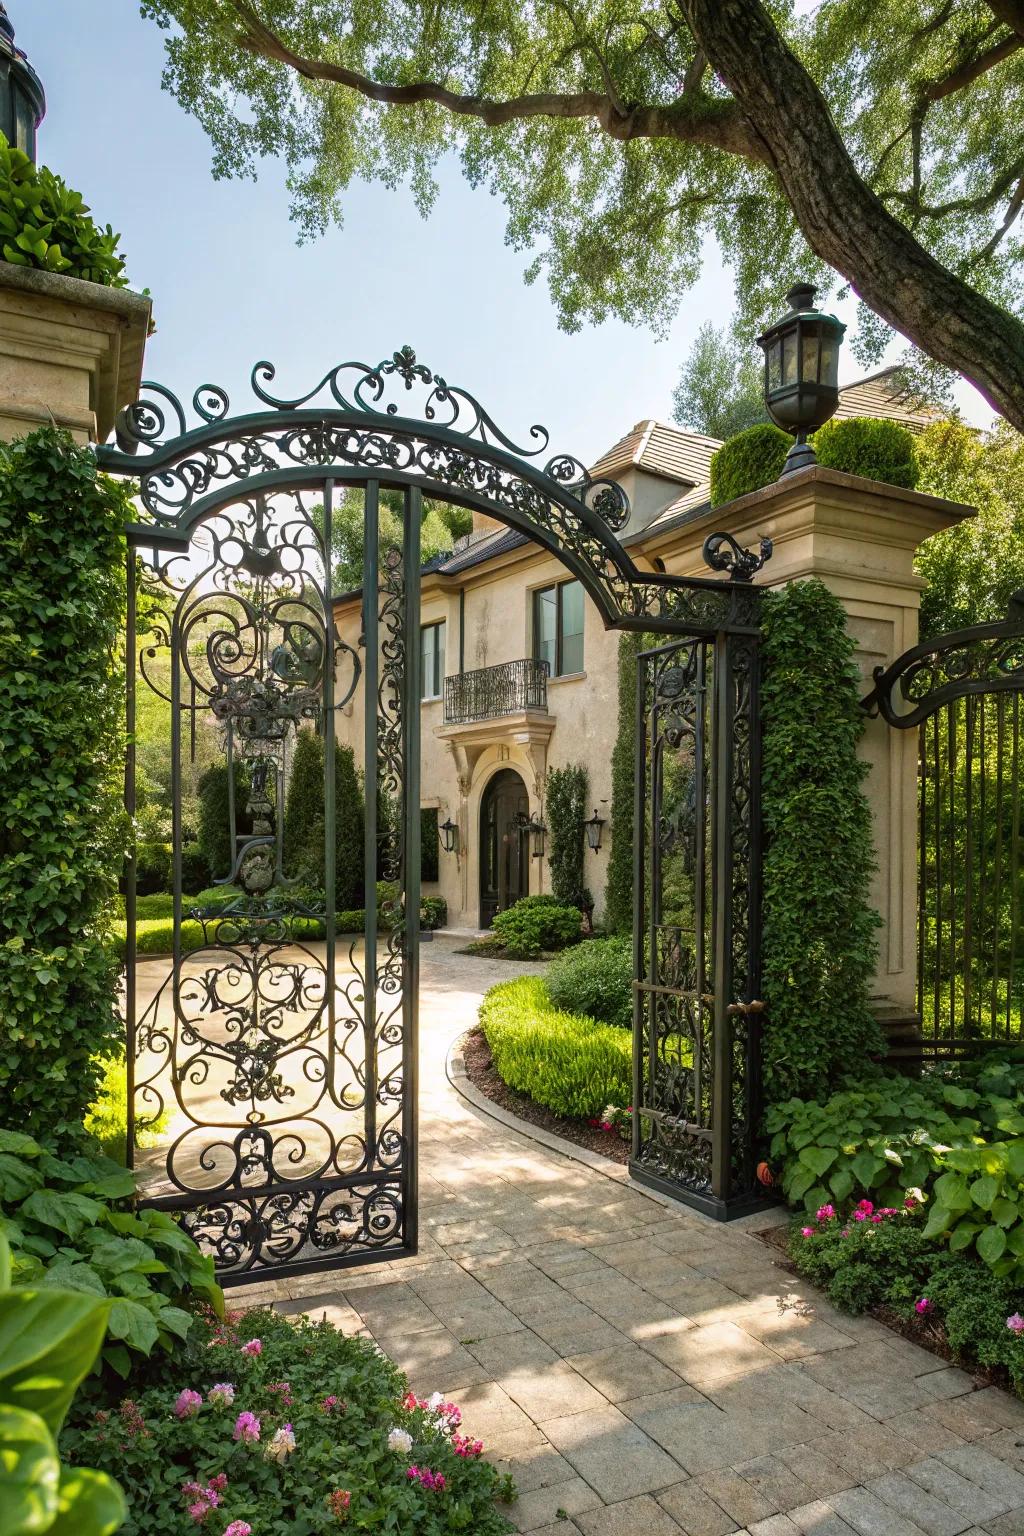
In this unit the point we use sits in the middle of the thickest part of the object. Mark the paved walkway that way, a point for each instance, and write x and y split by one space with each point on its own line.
643 1371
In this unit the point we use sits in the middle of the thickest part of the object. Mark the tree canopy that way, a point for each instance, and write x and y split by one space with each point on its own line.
720 390
883 139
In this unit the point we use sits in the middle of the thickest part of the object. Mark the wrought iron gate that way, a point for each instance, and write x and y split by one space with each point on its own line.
287 1072
697 917
962 692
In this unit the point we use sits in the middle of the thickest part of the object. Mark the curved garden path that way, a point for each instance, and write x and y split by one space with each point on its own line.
642 1370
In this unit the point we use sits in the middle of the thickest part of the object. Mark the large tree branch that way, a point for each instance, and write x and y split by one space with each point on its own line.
844 222
1010 12
970 70
718 124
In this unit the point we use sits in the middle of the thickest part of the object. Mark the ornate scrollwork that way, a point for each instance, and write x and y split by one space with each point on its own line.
723 552
987 658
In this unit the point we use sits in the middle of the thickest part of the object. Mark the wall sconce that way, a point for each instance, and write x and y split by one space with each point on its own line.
593 826
536 829
448 832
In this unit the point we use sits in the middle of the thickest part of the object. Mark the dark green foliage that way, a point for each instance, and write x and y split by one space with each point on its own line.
304 809
819 927
748 461
535 923
618 894
878 450
562 1060
430 845
595 978
214 822
958 1138
433 912
44 224
442 524
566 801
340 1395
868 1263
153 868
194 869
348 830
71 1225
63 831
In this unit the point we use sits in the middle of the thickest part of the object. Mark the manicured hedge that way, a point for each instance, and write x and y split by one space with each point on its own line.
562 1060
536 923
595 978
754 457
876 450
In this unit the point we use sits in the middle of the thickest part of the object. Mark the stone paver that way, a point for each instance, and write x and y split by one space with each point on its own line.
643 1371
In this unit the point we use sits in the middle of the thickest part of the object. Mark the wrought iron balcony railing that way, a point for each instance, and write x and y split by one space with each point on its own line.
491 691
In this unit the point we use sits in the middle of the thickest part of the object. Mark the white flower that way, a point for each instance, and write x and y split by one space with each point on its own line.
282 1444
435 1401
400 1440
611 1112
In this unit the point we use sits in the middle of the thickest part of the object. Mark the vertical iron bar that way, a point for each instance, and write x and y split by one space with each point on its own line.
937 948
721 908
700 862
371 730
641 999
997 894
951 736
330 786
753 956
922 861
1014 859
411 862
968 923
130 969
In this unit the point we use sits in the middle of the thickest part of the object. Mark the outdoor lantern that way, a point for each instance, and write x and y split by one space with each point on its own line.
593 827
536 829
801 371
22 102
449 834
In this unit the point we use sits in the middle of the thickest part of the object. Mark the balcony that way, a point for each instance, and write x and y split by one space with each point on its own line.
508 689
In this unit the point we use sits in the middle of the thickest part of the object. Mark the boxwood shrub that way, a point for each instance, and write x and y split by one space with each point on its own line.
751 459
595 978
878 450
562 1060
536 923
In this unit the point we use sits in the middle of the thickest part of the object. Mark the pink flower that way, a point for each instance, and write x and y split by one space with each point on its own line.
332 1404
221 1394
247 1428
1015 1323
220 1482
863 1210
807 1231
462 1445
922 1306
254 1347
338 1502
238 1528
285 1390
188 1404
846 1232
198 1511
434 1481
825 1212
909 1203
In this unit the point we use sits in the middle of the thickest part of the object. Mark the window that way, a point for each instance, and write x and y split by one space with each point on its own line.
432 651
558 627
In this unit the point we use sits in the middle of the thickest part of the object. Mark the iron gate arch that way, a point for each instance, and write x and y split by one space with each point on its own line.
293 1096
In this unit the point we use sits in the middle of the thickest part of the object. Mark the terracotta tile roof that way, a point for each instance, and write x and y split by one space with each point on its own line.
660 449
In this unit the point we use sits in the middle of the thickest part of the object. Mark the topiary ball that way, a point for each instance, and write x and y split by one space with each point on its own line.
876 450
748 461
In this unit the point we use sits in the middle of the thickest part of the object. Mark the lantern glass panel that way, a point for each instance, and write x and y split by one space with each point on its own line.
789 358
810 348
774 366
829 360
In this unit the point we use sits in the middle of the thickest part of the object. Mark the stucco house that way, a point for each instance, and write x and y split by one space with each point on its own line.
519 674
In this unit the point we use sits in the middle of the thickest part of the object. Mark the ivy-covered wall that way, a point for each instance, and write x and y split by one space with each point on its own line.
819 928
63 831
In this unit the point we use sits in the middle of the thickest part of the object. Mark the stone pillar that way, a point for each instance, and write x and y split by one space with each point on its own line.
859 537
70 352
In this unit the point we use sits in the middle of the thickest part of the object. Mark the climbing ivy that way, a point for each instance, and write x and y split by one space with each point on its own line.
619 889
819 940
63 831
566 802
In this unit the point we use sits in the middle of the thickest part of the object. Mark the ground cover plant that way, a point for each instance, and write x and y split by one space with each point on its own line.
565 1061
879 1256
71 1226
954 1140
268 1427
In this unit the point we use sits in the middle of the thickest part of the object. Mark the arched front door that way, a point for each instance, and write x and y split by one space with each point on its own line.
504 845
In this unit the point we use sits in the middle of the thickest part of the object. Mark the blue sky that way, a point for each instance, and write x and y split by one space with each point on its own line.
231 286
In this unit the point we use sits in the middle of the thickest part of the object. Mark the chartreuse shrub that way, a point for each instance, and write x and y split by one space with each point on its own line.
288 1429
881 1256
71 1227
878 450
49 1340
595 978
955 1143
44 224
535 923
818 941
566 799
561 1060
63 831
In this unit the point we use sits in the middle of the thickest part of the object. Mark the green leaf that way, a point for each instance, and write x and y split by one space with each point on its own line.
69 1213
5 1263
951 1191
176 1320
962 1235
134 1323
48 1342
18 1144
1005 1212
17 1178
866 1167
992 1244
70 1275
940 1219
984 1190
89 1504
29 1473
818 1159
841 1183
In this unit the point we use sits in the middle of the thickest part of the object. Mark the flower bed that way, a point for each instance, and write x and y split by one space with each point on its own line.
881 1259
265 1427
